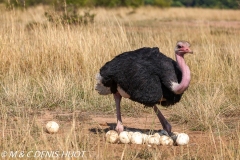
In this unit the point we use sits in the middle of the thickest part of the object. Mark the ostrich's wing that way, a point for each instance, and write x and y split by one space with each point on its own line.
134 72
141 84
151 77
140 73
168 71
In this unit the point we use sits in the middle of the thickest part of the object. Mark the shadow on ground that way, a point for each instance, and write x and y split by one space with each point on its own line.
111 126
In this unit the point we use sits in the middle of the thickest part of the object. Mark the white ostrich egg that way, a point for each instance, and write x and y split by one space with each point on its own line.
112 136
130 133
52 127
124 137
182 139
152 139
165 140
145 138
157 135
137 138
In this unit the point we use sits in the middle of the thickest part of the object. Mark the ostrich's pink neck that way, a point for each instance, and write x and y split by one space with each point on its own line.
179 88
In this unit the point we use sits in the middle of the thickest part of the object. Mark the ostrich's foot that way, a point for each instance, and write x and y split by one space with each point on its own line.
119 128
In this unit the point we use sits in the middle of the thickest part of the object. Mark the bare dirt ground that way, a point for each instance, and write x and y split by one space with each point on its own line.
95 126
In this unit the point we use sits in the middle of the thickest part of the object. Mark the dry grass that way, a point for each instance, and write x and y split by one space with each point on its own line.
53 67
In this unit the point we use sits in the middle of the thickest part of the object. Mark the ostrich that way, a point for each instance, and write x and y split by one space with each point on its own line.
146 76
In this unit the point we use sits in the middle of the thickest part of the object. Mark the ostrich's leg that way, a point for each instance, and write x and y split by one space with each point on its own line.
119 128
166 126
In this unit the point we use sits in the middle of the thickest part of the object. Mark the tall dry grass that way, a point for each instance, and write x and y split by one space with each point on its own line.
53 67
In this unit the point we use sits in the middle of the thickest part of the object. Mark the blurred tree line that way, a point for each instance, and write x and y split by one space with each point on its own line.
230 4
233 4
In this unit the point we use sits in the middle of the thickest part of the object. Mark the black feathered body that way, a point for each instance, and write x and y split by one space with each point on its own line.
145 74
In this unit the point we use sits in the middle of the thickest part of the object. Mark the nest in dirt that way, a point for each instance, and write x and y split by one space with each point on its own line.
158 138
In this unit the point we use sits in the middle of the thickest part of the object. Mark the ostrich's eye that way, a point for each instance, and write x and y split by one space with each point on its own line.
179 46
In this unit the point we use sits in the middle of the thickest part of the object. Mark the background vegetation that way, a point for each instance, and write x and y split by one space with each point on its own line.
234 4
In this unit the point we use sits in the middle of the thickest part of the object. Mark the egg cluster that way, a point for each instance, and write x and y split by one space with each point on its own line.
142 138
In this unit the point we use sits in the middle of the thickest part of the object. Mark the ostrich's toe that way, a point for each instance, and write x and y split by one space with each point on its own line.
119 128
174 137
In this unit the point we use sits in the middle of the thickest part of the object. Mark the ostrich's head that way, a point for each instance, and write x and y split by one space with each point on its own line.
182 47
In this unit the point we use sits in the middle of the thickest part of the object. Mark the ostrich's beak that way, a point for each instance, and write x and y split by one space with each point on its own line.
188 50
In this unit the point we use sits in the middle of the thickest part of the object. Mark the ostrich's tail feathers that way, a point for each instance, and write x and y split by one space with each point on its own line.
100 87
